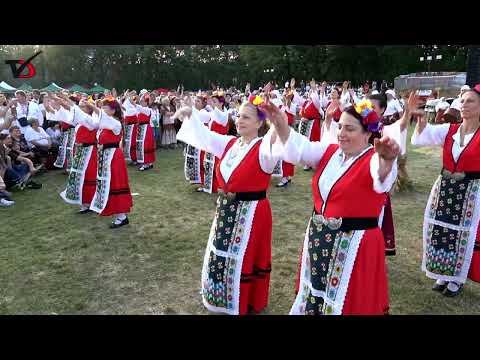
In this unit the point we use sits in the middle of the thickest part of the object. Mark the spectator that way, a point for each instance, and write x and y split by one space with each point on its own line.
26 109
5 199
38 140
17 157
55 134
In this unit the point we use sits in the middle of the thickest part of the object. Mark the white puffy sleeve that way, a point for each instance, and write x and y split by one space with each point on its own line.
432 135
269 154
386 185
299 149
203 115
323 101
195 133
298 99
329 136
143 109
63 115
110 123
81 117
130 109
393 131
316 101
220 117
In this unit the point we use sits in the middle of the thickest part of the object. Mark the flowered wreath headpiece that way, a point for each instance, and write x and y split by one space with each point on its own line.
256 101
370 119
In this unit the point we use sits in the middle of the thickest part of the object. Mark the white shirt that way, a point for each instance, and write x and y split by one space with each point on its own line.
299 149
28 110
393 106
39 136
193 132
434 135
456 104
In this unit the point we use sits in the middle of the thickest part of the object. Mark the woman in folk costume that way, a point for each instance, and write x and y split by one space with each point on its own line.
112 195
194 170
131 127
67 126
395 131
451 238
311 114
237 263
82 180
342 267
285 169
169 138
219 124
145 137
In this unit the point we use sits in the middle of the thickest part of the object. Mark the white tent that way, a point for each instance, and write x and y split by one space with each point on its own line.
4 85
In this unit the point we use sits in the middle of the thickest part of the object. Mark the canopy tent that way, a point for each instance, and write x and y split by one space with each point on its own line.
78 88
4 90
53 88
4 85
97 89
25 87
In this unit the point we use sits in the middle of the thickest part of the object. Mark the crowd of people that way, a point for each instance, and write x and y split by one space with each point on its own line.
233 142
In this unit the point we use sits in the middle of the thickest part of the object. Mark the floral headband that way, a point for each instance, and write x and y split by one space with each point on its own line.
370 119
477 89
257 100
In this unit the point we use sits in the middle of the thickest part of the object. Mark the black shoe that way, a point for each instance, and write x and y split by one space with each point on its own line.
439 288
450 293
33 185
124 222
85 211
307 169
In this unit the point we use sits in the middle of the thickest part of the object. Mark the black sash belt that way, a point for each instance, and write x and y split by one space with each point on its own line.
87 144
109 146
476 247
346 224
244 196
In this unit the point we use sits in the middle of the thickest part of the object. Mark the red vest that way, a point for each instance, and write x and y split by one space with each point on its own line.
130 120
143 118
85 136
107 136
309 110
352 195
248 176
218 128
469 160
64 126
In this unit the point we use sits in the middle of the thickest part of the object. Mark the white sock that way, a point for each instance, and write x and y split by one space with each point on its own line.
453 286
120 218
440 282
84 207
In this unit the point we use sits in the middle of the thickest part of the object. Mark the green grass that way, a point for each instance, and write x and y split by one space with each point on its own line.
55 261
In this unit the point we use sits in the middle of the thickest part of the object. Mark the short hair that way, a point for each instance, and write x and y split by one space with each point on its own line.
13 127
20 92
36 91
31 120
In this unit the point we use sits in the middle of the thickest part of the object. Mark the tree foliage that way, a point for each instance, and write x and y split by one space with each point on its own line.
204 66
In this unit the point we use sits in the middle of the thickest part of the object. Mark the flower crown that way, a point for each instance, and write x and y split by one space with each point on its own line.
370 119
257 100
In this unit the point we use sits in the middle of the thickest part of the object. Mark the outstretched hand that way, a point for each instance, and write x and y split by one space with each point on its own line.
386 148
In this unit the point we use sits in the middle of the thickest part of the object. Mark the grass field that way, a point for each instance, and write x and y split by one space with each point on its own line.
53 260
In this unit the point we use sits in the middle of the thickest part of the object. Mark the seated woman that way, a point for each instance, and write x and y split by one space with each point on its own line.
5 199
14 177
38 140
18 157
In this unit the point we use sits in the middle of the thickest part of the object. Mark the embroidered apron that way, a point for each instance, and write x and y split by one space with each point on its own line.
327 264
209 167
104 174
128 142
73 192
62 151
142 132
305 128
192 164
450 228
222 265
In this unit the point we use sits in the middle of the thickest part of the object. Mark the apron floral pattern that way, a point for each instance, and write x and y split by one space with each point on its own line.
104 174
192 164
73 193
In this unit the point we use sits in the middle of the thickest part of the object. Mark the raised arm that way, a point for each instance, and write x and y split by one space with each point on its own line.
195 133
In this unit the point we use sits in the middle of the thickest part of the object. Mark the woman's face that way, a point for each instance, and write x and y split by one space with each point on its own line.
3 99
108 110
352 138
216 103
34 125
334 94
248 123
198 103
377 108
470 105
16 132
8 141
